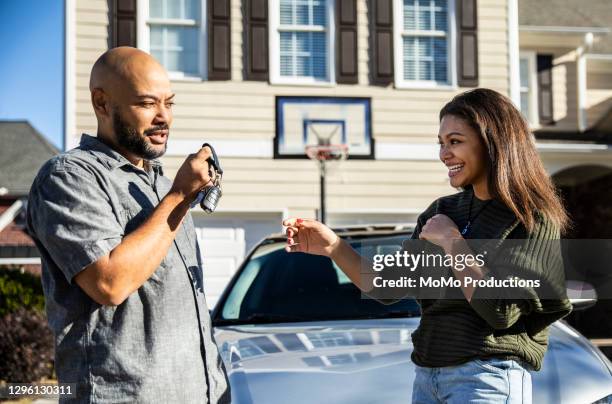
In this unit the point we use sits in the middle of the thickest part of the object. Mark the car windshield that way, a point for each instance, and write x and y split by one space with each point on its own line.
275 286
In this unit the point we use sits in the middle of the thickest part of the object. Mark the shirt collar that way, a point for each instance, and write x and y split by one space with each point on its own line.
108 156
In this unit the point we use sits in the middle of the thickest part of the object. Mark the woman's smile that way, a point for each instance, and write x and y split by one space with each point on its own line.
455 169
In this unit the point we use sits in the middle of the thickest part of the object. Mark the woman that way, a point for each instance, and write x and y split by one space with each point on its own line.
475 349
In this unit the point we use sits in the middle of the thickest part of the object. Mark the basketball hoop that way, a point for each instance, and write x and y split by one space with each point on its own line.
330 152
324 154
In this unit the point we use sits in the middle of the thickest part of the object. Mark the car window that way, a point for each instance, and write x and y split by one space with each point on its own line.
275 286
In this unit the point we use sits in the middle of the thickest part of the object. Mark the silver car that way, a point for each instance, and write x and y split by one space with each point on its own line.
292 328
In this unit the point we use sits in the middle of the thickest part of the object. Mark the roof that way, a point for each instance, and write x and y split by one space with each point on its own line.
570 13
24 150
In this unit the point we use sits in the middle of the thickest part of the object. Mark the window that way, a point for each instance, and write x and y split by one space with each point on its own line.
301 41
529 91
423 46
173 33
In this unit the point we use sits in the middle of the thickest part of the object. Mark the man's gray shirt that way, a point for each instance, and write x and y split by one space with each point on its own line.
157 346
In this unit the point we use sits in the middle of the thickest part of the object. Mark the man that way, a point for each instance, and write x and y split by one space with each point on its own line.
121 270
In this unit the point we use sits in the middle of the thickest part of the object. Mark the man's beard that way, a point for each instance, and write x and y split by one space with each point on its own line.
129 139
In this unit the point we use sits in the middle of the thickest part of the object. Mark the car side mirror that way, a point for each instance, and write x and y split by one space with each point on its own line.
582 295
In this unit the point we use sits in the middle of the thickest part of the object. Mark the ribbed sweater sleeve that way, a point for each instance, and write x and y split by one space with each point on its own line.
536 256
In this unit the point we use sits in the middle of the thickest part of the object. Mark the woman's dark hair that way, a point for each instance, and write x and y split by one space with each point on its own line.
516 175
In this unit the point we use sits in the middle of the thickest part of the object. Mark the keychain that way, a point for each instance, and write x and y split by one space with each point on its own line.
208 198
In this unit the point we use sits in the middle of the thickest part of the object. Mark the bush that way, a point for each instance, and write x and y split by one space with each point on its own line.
20 289
26 347
26 342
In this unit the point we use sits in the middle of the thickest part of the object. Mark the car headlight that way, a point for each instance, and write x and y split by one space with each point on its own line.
605 400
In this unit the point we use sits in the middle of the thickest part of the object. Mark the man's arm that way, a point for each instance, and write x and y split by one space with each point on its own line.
115 276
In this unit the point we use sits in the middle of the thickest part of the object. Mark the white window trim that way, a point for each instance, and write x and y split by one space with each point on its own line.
274 23
144 38
398 55
533 117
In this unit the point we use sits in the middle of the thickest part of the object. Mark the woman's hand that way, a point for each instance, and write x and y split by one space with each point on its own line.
310 236
440 230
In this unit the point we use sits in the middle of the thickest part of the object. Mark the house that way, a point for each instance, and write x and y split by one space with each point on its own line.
23 152
261 79
566 93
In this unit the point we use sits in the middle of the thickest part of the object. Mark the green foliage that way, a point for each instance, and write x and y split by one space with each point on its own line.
20 289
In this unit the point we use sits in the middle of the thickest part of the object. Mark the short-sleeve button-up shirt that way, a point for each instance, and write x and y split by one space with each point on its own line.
157 346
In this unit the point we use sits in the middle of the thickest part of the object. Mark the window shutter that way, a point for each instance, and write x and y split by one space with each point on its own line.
467 43
255 14
123 25
219 40
346 32
545 91
381 45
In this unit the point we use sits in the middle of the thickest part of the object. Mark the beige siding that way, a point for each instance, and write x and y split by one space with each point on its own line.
565 93
599 96
384 185
92 40
245 110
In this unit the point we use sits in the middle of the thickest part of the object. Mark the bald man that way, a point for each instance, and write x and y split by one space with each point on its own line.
121 271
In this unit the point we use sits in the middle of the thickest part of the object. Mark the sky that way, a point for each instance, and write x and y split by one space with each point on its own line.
31 71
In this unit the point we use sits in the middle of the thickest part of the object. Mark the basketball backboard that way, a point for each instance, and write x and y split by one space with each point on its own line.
308 121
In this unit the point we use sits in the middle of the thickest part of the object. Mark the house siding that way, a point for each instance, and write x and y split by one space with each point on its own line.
599 96
240 109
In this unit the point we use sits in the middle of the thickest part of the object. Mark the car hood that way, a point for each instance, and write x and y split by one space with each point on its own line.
365 361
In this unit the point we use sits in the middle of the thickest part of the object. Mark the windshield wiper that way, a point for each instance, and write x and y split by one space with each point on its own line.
261 318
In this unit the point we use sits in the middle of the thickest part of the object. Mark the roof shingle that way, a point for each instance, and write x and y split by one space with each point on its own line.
23 152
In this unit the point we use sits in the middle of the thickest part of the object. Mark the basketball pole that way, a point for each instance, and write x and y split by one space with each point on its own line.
322 190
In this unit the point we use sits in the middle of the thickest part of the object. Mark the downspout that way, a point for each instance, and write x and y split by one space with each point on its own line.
513 53
581 81
10 214
69 74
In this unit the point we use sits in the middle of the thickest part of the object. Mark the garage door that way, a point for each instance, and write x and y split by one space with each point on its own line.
225 238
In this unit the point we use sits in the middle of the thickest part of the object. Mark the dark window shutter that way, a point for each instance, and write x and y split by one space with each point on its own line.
219 40
346 34
545 91
467 43
255 14
123 24
381 41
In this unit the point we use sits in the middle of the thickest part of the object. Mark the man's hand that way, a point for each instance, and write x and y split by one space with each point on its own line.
194 175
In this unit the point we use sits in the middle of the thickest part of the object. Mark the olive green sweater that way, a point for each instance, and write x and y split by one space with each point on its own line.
452 332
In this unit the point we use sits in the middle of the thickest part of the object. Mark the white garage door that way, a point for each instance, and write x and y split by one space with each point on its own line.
225 238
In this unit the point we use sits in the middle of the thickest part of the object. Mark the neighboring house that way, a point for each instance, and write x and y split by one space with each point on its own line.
380 70
566 92
23 152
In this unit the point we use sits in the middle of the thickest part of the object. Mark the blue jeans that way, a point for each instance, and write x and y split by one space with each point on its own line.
478 381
